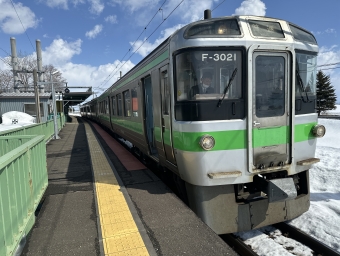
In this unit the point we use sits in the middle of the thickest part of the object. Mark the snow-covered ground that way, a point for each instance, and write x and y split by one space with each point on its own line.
322 220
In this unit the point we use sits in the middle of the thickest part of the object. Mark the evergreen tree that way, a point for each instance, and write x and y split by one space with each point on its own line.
326 97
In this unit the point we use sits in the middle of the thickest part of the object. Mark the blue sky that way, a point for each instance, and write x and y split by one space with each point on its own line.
87 39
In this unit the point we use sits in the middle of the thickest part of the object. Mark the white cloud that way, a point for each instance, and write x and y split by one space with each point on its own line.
327 31
76 2
94 32
134 5
86 75
251 7
188 11
9 22
4 61
329 56
147 47
96 6
111 19
60 52
57 3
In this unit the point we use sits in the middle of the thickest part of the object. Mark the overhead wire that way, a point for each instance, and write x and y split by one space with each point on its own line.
145 27
105 81
6 62
22 25
217 6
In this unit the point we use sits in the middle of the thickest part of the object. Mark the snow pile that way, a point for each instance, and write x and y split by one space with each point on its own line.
334 112
322 220
15 119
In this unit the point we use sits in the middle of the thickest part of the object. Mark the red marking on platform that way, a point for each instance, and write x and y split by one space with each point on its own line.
130 162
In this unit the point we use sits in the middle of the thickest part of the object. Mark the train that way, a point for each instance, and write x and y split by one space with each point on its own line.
240 153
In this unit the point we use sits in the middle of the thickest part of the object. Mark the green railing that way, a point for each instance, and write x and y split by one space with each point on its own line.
46 129
23 181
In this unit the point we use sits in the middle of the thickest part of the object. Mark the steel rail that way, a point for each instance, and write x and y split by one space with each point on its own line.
238 245
300 236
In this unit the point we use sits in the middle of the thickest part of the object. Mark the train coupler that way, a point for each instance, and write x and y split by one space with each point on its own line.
277 190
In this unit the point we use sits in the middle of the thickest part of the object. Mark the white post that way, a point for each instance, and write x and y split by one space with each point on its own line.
54 111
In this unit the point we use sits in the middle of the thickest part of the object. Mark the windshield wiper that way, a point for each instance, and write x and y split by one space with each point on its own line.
227 87
302 87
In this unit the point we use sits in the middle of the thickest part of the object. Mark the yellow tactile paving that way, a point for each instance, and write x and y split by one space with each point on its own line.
119 231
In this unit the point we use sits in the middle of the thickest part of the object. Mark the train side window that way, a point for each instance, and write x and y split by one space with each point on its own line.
119 104
113 100
107 107
134 102
166 92
127 103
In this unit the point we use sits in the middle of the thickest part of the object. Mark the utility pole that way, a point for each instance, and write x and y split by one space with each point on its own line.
39 64
36 94
15 64
54 109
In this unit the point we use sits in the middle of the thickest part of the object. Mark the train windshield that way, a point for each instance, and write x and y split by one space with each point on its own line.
306 68
203 74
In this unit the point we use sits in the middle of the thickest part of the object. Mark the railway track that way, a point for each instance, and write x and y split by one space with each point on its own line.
318 248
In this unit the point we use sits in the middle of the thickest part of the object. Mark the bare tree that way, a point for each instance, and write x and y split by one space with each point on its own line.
26 64
6 80
57 77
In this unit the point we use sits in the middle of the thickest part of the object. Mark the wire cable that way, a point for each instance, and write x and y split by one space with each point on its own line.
5 51
330 64
217 6
5 61
108 77
143 42
22 25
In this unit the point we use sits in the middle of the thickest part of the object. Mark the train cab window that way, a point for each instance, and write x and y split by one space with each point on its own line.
208 84
270 85
127 103
305 83
119 105
300 34
134 102
268 29
204 75
165 93
114 105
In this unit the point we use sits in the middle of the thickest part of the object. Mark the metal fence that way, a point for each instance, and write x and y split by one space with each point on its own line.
46 128
23 181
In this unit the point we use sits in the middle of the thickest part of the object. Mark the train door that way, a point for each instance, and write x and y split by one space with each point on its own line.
270 122
166 115
149 124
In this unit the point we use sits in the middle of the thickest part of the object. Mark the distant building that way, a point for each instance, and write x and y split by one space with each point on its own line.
25 102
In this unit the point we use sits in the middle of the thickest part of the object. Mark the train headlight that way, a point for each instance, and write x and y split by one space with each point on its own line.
207 142
319 130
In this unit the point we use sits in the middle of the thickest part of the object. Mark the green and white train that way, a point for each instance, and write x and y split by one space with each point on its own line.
242 152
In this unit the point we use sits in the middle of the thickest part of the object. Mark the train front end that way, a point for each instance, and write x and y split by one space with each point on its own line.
244 140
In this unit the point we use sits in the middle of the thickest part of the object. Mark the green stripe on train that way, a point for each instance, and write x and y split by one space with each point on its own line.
130 125
303 132
225 140
237 139
270 136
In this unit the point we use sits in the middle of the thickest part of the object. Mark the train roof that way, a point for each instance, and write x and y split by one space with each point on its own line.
239 18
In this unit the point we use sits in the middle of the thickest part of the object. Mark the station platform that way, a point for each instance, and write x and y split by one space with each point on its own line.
101 200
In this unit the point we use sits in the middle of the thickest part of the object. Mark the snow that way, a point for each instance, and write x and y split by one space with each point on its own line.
15 119
322 220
